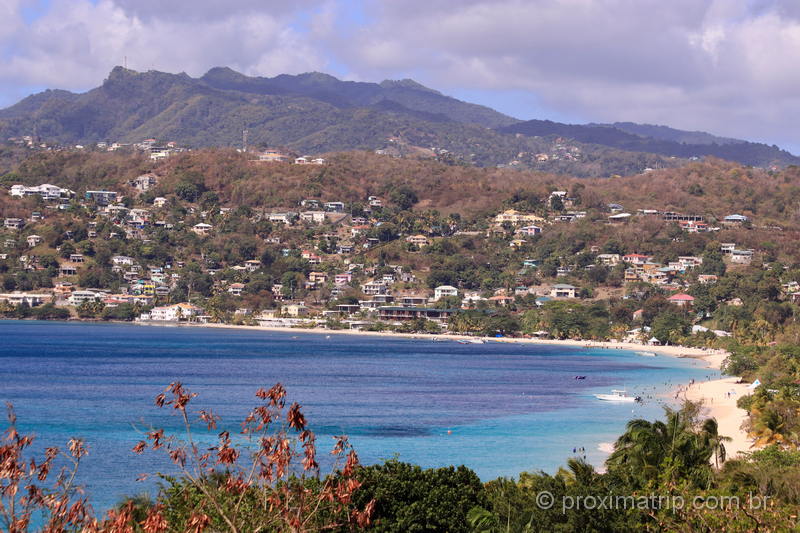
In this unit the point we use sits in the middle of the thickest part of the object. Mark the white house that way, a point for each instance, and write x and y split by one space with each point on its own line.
175 313
46 191
202 228
562 290
443 291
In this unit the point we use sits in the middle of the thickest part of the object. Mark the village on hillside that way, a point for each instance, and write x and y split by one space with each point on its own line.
143 253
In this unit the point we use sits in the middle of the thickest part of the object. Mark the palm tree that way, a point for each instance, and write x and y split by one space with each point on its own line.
673 447
710 433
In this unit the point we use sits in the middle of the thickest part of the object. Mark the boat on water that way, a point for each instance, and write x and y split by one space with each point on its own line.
646 354
617 396
472 341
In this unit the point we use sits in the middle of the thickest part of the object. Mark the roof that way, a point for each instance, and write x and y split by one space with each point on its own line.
681 297
563 286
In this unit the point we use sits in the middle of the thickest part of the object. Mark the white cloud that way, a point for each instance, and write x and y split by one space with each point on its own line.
75 44
722 65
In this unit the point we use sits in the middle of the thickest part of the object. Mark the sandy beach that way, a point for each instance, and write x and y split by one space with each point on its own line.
675 351
719 398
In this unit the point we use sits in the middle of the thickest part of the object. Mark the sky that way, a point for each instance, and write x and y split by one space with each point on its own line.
729 67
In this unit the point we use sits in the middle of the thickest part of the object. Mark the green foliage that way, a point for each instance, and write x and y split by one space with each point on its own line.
411 499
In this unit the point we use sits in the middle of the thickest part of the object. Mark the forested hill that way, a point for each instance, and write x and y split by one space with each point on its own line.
316 113
659 140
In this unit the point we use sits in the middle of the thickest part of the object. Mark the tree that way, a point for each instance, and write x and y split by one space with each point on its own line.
409 498
404 197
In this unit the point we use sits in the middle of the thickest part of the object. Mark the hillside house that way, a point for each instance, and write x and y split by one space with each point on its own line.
418 240
515 218
735 220
334 207
636 259
608 259
373 288
45 191
27 298
563 290
294 310
34 240
444 291
101 197
313 217
681 300
530 230
236 289
741 257
202 228
13 223
145 182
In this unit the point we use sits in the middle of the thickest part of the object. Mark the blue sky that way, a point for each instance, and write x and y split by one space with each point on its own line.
723 66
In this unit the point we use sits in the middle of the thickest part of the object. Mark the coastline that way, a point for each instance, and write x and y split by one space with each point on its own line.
675 351
718 399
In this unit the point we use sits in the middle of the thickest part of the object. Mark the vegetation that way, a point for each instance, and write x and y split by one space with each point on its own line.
660 477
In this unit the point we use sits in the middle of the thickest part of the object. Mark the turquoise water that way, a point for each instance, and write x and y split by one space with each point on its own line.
498 408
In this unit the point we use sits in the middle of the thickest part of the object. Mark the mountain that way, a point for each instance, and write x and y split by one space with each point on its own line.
659 140
317 113
665 133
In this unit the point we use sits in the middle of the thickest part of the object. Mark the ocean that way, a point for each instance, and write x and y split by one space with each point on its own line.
498 408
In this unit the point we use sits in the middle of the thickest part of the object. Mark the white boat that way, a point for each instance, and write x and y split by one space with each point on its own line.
616 396
472 341
646 354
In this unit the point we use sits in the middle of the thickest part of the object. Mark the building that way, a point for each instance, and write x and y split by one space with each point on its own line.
13 223
79 297
735 220
101 197
315 217
174 313
681 300
19 298
444 291
418 240
636 259
145 182
336 207
46 191
236 288
202 228
397 313
373 288
515 218
294 309
272 156
741 257
530 230
608 259
33 240
562 290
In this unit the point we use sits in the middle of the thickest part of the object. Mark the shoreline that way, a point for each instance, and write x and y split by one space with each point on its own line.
718 399
671 350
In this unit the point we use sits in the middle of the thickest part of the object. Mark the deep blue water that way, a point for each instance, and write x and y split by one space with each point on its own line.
509 407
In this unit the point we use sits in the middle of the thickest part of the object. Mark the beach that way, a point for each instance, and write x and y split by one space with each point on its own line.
718 398
675 351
